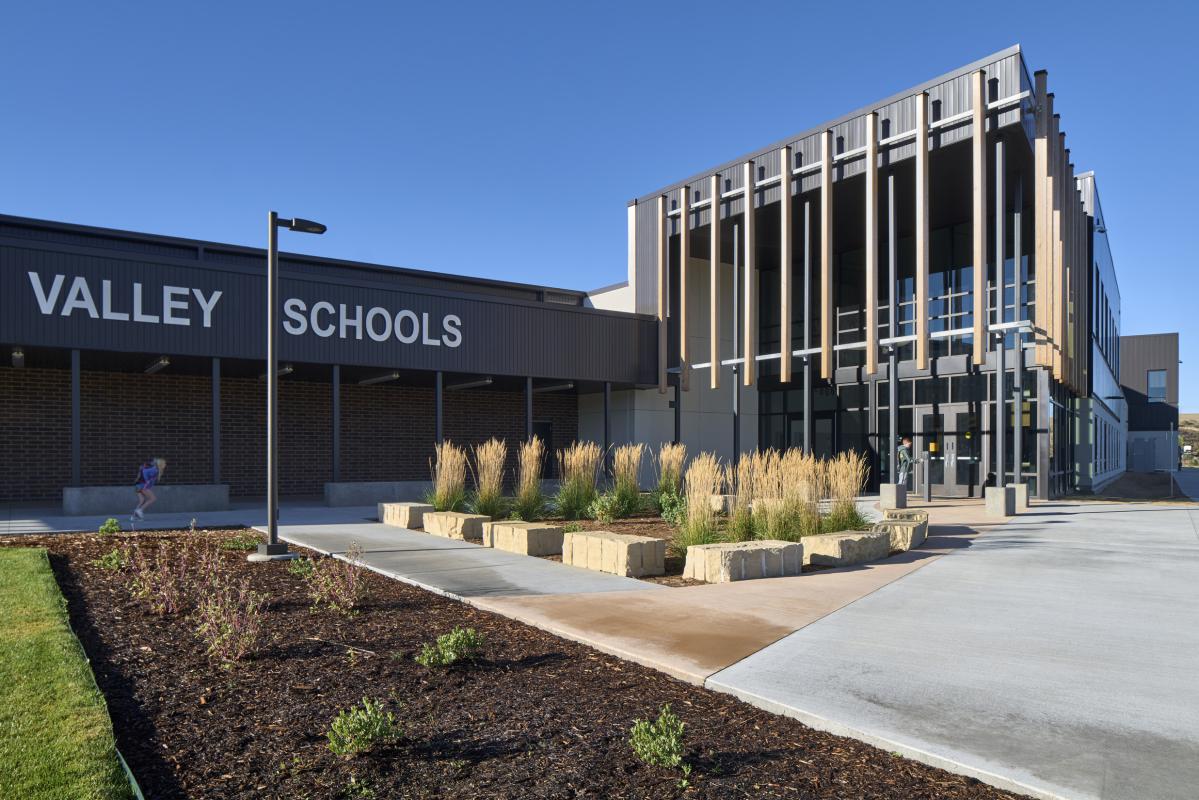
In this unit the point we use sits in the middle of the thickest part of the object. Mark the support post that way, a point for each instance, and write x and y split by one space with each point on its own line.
76 425
529 409
607 426
684 259
871 239
921 315
1018 375
438 408
785 266
1001 338
978 145
678 414
736 323
826 258
336 422
714 286
807 326
893 330
216 420
663 288
749 284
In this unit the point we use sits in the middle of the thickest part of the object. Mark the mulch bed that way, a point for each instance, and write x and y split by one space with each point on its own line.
540 717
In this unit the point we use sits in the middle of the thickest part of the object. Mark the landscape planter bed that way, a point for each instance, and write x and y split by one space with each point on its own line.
539 717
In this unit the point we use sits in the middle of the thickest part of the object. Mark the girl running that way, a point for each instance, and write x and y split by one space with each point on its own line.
148 476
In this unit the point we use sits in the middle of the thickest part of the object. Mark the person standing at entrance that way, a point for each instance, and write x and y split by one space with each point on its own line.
904 454
148 476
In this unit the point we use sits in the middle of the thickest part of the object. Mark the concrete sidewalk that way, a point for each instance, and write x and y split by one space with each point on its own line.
1055 656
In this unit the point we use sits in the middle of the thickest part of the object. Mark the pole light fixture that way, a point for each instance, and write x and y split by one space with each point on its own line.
272 548
18 358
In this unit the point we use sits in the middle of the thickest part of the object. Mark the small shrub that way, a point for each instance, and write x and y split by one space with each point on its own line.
659 743
247 540
489 478
460 644
301 568
161 579
673 508
578 465
110 526
449 478
572 527
361 727
529 504
113 560
337 584
230 621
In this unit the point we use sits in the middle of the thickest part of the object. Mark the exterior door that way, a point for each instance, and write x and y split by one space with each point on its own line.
949 439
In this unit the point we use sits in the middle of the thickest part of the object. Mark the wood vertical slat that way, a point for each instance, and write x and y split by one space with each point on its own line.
871 243
662 290
1041 227
684 263
826 257
922 198
979 147
785 346
714 286
749 315
1059 243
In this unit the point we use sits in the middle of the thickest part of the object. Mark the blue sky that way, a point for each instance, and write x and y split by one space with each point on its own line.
504 139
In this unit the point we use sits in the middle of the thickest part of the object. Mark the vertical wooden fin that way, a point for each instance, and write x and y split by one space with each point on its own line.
785 346
871 243
1042 229
714 286
826 257
979 147
662 290
749 315
684 263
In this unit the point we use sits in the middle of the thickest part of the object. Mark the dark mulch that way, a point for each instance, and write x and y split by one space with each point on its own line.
541 717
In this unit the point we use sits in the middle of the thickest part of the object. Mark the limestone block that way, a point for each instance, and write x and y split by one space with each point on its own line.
739 561
617 553
917 514
455 525
1021 496
404 515
525 538
1001 501
892 495
846 548
904 534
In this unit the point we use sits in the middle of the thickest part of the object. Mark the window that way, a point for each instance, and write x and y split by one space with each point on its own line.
1157 385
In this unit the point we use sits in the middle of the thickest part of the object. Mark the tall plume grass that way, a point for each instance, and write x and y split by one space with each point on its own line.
489 477
529 504
704 478
847 475
787 488
671 457
626 466
577 465
742 480
449 477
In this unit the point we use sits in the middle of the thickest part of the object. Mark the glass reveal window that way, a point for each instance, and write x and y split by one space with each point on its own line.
1156 384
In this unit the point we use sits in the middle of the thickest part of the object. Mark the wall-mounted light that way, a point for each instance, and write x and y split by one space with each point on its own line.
556 387
18 357
469 385
160 363
286 369
390 376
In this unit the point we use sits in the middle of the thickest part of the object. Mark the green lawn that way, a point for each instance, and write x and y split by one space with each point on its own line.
55 735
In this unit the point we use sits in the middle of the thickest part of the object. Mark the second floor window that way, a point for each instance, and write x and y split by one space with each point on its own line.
1157 385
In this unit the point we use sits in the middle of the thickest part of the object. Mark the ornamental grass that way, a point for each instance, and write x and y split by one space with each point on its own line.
847 475
529 504
489 478
626 466
704 478
671 457
449 477
578 466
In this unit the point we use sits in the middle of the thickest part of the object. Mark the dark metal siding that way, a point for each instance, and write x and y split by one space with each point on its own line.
1138 355
500 336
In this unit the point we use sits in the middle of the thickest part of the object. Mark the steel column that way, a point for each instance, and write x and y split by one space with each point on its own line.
1018 375
216 420
1001 337
76 426
736 325
272 382
893 331
438 408
529 411
807 326
607 425
336 422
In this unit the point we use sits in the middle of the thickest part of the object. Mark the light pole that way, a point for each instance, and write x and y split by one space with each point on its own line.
272 548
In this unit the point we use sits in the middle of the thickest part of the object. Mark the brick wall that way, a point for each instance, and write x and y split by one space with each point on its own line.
386 430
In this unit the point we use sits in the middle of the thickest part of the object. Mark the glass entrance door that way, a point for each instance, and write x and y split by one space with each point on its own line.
949 438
